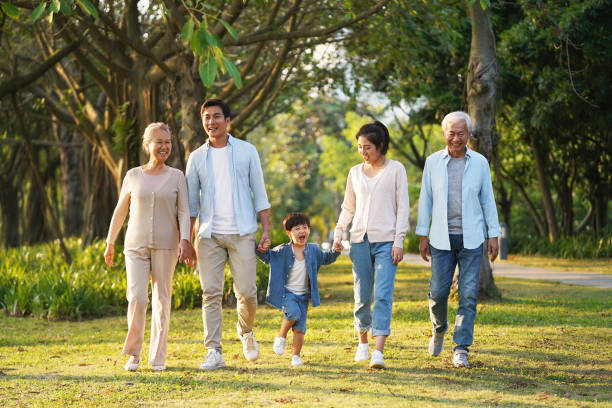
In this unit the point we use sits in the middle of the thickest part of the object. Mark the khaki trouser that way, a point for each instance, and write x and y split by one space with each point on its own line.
160 264
212 255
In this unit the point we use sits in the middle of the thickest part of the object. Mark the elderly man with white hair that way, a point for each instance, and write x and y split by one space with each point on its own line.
457 196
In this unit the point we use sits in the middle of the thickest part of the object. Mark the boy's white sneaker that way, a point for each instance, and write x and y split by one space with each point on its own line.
250 348
296 361
214 360
363 352
132 363
377 360
279 345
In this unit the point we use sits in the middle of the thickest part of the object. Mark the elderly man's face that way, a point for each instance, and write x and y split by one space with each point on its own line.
456 135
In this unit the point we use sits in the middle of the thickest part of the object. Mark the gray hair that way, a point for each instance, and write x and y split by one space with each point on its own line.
147 136
458 115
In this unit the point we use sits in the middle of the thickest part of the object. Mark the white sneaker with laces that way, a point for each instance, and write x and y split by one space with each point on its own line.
460 359
363 352
377 360
296 361
132 363
158 367
250 348
214 360
279 345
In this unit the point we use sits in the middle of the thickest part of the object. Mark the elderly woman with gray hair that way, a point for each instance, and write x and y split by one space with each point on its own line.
157 235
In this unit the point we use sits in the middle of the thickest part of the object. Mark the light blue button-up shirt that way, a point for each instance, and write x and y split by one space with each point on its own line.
477 201
248 189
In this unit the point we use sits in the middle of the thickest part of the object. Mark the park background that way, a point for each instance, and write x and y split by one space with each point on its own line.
81 79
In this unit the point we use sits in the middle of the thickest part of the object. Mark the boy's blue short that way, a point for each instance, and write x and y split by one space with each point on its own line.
295 307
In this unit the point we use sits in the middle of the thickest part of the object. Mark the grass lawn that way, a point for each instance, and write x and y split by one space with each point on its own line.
574 265
543 344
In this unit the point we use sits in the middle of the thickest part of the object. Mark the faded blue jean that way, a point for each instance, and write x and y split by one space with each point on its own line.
374 280
443 265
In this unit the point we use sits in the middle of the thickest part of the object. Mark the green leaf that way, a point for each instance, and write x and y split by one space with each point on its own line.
208 70
38 11
483 4
10 10
187 30
65 8
230 29
88 8
55 6
233 71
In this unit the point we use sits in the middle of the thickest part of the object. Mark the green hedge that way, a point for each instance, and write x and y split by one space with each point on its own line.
583 246
35 281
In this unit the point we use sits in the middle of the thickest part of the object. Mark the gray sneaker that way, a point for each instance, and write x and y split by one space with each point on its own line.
436 343
214 360
460 359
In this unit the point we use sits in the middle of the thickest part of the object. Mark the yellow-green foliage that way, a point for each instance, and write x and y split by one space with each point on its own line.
37 281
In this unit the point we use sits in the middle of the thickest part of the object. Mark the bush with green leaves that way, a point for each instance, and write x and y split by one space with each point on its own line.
36 281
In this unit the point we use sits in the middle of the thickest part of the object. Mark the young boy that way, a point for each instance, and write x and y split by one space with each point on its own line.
293 280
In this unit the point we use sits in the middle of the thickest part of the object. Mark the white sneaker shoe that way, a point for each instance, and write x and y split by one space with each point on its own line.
132 363
279 345
377 360
363 352
214 360
460 359
250 348
296 361
158 367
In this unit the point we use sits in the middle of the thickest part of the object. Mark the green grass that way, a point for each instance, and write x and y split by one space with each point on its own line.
542 345
603 266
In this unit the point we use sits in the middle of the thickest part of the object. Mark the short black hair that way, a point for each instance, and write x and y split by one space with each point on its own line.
376 133
216 102
295 219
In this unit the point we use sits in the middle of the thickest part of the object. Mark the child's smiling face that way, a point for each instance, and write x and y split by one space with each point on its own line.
299 234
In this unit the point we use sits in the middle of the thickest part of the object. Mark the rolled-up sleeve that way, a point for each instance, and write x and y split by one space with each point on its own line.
193 185
425 202
487 200
256 181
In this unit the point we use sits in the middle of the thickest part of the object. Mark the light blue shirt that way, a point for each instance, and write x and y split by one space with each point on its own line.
248 189
477 201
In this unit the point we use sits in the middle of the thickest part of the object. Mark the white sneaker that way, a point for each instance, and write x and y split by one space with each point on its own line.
250 348
460 359
363 352
279 345
158 367
377 360
296 361
132 363
214 360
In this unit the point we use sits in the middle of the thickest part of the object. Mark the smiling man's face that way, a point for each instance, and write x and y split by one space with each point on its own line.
214 122
299 234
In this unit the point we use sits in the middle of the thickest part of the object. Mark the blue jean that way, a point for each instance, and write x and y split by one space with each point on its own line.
374 277
443 265
295 307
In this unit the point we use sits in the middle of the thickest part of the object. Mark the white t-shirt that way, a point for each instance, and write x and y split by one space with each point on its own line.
298 278
371 181
224 219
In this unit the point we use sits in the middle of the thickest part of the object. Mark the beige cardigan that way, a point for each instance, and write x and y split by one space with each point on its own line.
382 214
156 215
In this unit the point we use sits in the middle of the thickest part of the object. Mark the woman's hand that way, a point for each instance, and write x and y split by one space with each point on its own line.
109 253
337 245
397 254
186 253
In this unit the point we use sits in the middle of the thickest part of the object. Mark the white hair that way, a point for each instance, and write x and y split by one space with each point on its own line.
147 136
458 115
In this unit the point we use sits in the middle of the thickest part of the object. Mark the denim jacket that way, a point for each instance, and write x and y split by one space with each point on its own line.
281 260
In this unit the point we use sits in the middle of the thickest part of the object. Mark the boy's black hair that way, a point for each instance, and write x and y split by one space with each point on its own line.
216 102
294 219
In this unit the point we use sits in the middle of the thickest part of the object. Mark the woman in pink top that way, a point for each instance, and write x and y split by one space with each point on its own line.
157 234
376 201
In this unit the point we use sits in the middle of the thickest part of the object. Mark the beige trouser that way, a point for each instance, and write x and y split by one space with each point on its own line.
212 255
160 264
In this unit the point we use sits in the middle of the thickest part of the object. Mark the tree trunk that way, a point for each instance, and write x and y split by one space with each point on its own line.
547 202
191 94
482 93
71 180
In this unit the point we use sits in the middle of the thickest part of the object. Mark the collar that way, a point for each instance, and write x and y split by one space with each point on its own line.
468 153
230 141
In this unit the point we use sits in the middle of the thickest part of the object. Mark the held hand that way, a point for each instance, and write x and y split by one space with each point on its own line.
424 249
397 254
493 248
109 253
337 245
186 253
264 242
